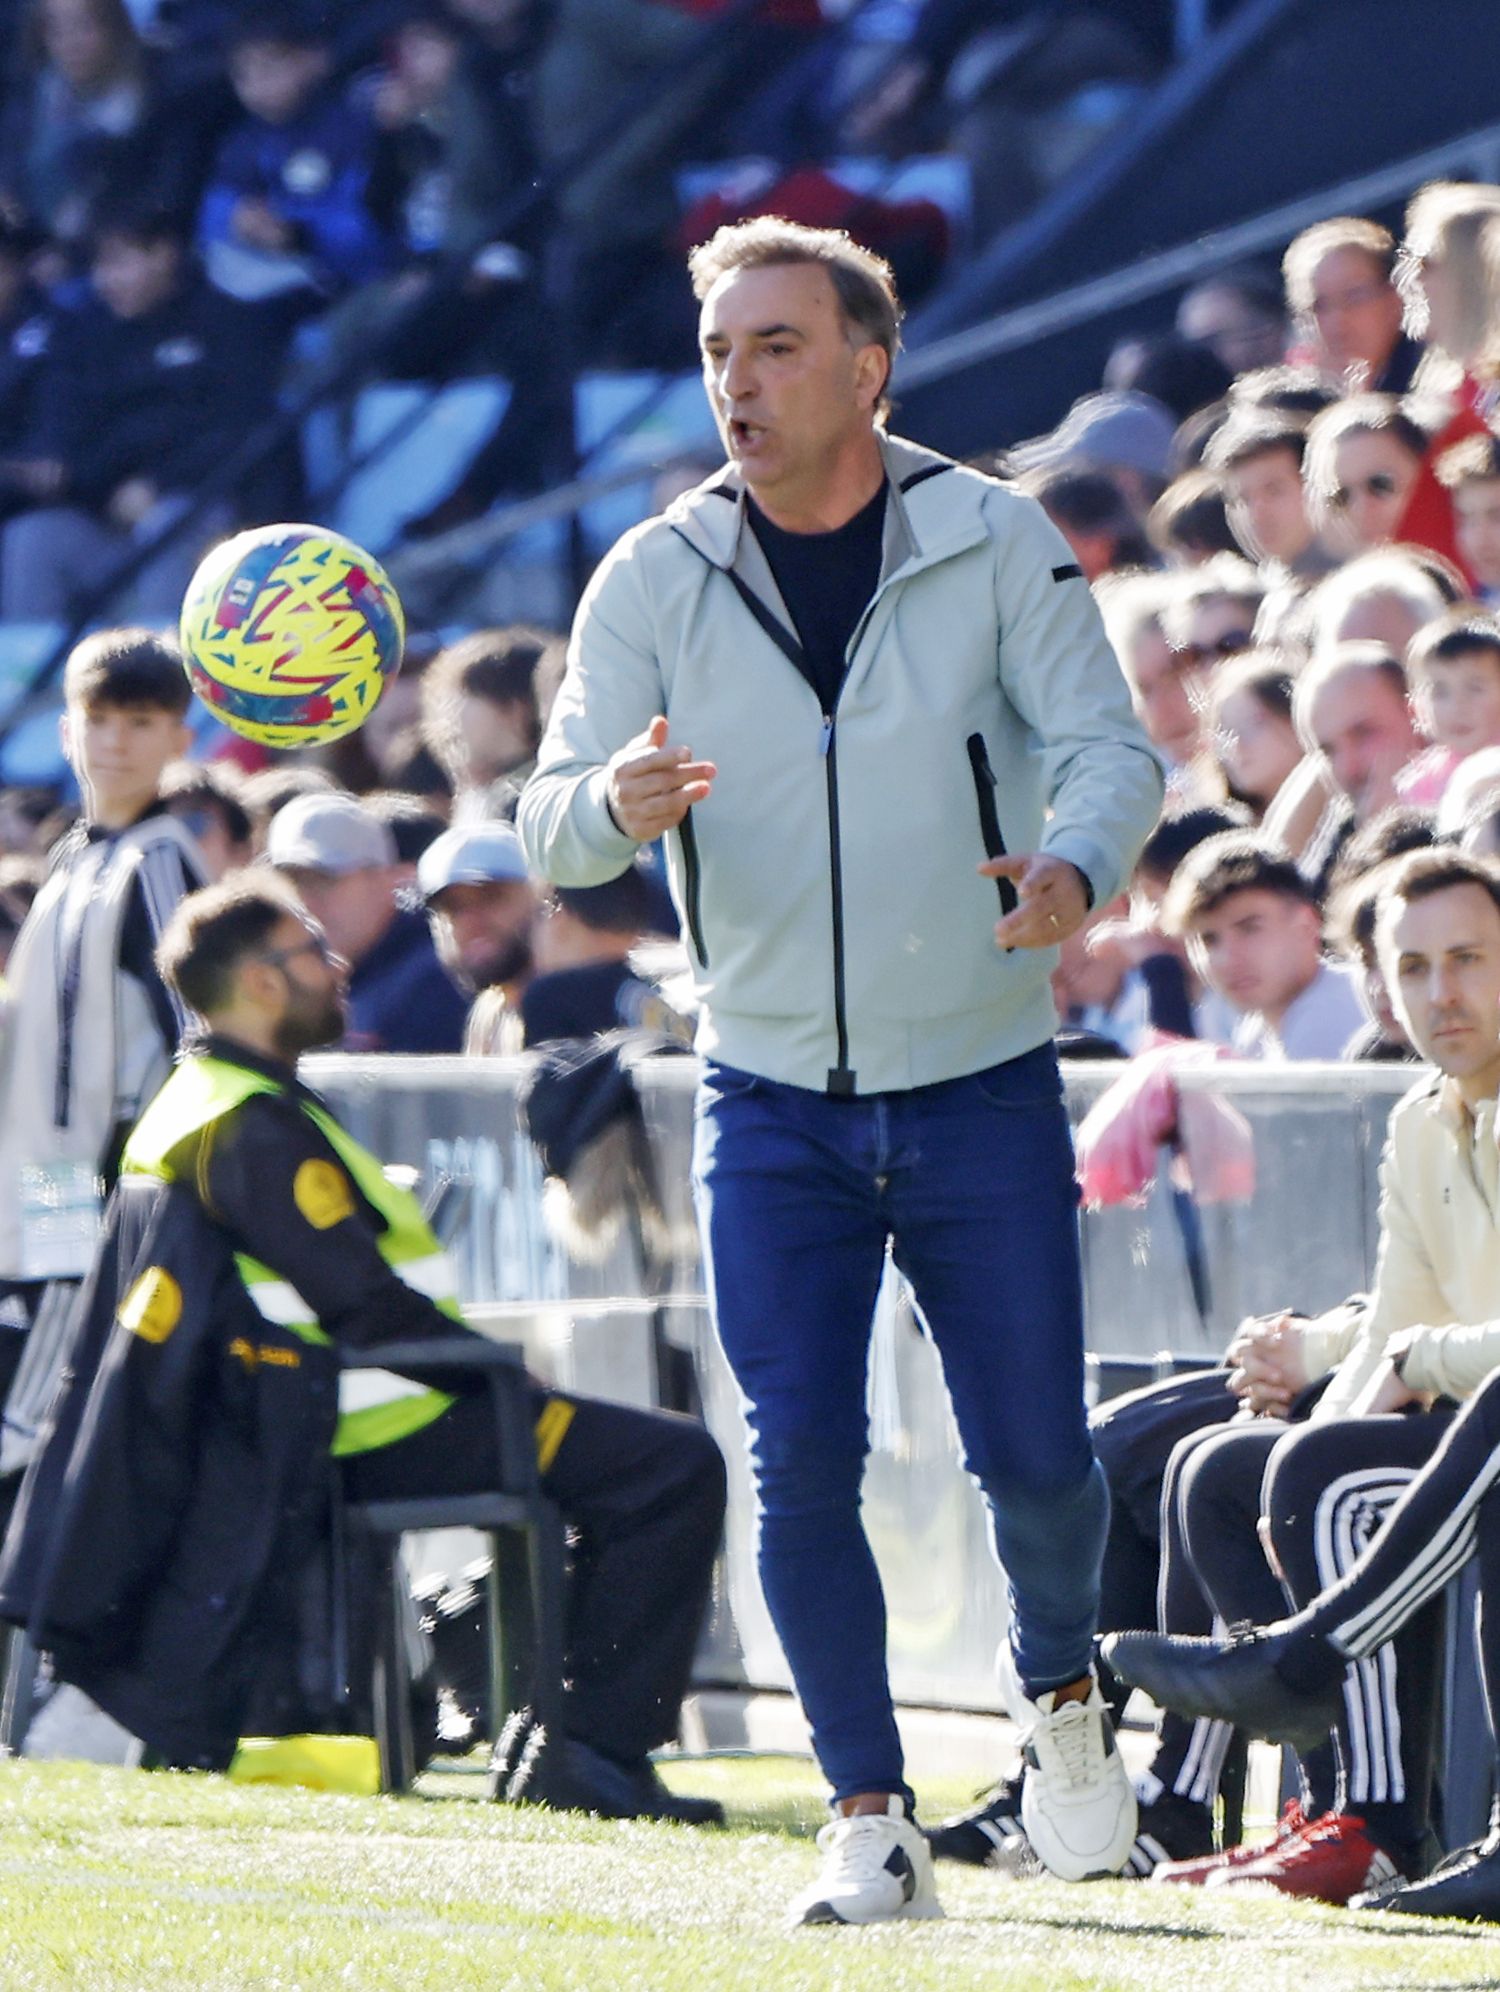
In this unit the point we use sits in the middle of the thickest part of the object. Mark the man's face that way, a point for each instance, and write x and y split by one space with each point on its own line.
1163 683
1355 311
118 753
1476 527
1257 949
133 278
484 933
789 391
313 1005
353 908
1267 507
1363 726
1441 960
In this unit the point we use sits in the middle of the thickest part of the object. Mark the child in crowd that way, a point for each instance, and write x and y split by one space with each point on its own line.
1471 473
90 1028
1454 668
286 214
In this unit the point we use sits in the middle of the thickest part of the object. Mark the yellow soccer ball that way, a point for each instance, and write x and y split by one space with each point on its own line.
290 634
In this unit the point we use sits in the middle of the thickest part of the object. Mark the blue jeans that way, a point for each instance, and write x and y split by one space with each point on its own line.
971 1181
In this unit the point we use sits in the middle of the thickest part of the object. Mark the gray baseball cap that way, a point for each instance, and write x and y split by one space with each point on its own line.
474 854
1133 431
328 833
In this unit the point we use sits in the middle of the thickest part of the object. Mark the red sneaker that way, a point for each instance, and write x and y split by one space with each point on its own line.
1329 1861
1196 1874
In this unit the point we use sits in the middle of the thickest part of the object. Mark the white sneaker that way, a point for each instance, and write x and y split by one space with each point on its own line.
1077 1804
876 1866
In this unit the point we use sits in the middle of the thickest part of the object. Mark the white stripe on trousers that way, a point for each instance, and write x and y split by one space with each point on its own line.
1444 1554
1350 1512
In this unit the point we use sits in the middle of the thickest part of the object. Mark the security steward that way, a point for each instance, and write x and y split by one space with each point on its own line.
330 1250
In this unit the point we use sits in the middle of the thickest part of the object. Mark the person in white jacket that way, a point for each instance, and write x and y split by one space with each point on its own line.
1374 1504
856 686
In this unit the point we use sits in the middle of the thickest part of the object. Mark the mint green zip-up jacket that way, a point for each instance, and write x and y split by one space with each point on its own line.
841 935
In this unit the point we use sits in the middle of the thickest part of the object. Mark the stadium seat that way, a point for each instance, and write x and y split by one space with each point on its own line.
447 428
635 418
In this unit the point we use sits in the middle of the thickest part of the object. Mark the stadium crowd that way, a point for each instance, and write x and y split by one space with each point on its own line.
1288 511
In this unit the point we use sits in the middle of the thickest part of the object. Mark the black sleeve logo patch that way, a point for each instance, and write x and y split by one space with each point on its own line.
1072 572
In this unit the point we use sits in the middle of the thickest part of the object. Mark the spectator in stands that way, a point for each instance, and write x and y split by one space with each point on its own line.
342 862
1092 516
1189 524
1340 278
1354 715
1161 678
1255 936
1351 927
413 823
483 908
1363 457
152 385
27 327
1453 668
1383 597
286 214
481 715
273 788
1251 729
88 118
1301 392
1239 315
1182 374
208 800
587 981
90 1028
1470 473
1127 437
1447 280
1259 457
1210 613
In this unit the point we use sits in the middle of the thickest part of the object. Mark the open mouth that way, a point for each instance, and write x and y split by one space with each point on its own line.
746 434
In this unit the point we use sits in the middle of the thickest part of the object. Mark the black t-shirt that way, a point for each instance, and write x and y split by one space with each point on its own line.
826 581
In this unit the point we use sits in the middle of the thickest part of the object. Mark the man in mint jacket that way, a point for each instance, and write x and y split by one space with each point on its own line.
855 685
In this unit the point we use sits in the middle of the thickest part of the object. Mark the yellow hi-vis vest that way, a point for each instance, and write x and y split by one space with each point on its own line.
376 1407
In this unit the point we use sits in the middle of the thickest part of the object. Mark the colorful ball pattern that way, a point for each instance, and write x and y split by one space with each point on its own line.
290 634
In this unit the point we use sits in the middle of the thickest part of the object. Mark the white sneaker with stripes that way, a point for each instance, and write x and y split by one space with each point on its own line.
876 1868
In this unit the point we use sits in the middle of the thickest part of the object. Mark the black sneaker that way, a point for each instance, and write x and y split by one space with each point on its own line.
1235 1680
1170 1828
978 1837
1465 1885
570 1776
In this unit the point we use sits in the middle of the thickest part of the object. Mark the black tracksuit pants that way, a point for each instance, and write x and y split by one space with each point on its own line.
642 1493
1134 1438
1325 1490
1447 1513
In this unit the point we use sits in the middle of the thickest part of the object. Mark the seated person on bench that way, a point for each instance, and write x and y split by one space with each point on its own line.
333 1253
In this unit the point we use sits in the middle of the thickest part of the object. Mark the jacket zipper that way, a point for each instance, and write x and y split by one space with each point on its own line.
841 1081
989 816
692 887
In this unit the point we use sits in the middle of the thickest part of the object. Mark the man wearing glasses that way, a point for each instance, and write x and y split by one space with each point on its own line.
332 1253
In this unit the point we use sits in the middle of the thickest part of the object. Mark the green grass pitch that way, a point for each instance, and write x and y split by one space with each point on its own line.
114 1881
